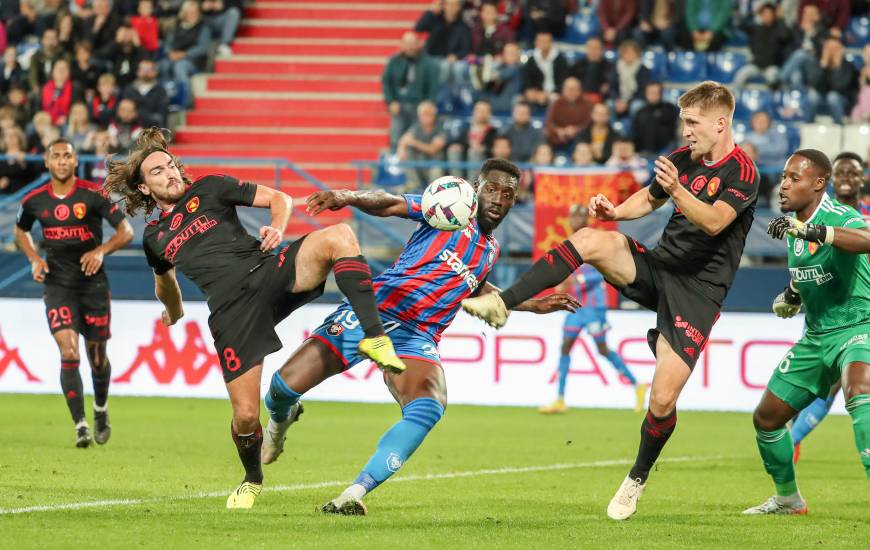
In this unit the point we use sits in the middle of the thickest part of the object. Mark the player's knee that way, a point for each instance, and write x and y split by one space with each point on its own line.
589 243
69 353
662 401
603 349
339 237
763 421
246 418
853 389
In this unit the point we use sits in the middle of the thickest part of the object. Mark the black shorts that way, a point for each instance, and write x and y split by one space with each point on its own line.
86 311
244 327
686 311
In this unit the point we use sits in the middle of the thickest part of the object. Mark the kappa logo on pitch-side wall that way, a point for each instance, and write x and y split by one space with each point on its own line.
194 359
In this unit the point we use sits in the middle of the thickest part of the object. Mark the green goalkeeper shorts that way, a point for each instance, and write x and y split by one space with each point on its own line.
816 362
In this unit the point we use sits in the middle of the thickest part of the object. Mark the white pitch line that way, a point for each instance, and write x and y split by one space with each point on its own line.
342 483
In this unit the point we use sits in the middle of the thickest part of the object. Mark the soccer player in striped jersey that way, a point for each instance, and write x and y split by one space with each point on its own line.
418 297
848 179
587 285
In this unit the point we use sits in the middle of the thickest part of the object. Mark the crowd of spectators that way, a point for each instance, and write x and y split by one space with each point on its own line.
534 104
97 72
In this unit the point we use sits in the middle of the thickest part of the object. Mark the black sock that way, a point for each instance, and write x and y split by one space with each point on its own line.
101 378
551 269
71 385
354 279
654 433
249 446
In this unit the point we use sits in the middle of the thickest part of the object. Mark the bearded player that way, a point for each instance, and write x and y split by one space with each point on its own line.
71 213
588 286
713 185
828 244
249 289
848 180
418 297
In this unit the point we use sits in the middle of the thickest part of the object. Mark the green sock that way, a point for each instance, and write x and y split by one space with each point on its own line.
777 450
859 409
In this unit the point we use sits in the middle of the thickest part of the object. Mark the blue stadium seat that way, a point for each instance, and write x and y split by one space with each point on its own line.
722 66
671 95
687 66
737 39
179 95
582 27
792 134
611 55
740 130
622 126
387 173
572 56
794 105
858 32
750 100
657 63
855 59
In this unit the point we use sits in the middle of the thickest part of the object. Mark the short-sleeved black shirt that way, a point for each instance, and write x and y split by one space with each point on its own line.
203 238
71 226
684 247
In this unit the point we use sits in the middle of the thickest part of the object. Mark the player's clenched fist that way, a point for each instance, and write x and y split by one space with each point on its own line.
325 200
667 175
270 237
91 261
601 207
787 303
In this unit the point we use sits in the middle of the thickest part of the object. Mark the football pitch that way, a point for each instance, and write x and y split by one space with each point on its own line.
487 477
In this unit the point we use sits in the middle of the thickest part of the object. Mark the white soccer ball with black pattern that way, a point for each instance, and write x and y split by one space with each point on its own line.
449 203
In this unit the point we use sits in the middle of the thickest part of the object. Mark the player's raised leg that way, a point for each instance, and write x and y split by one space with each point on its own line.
101 374
776 449
607 251
568 338
670 376
422 393
856 386
336 248
309 365
71 383
247 435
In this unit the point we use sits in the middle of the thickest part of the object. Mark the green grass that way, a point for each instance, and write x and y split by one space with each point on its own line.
163 450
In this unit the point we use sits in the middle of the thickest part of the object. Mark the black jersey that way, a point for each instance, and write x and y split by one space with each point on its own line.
71 226
684 247
203 238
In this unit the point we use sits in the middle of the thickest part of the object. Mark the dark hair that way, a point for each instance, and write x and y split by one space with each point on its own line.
125 175
849 155
818 159
55 141
502 165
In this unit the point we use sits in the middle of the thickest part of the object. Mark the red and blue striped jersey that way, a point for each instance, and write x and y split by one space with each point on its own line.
864 210
588 287
434 273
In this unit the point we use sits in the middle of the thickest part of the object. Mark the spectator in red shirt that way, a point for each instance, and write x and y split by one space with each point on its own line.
105 101
835 13
147 26
615 17
567 116
59 93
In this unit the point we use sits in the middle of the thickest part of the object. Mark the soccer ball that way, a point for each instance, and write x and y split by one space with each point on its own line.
449 203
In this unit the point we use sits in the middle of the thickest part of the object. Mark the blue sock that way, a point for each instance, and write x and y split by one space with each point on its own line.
810 417
400 441
620 366
280 398
564 365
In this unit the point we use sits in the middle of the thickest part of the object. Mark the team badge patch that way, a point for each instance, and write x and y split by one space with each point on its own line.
176 221
798 247
698 183
193 205
812 247
394 462
79 210
334 329
61 212
713 186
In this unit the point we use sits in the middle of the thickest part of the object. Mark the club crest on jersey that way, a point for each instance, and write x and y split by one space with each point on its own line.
698 183
193 205
812 247
713 186
491 257
61 212
79 210
176 221
335 329
798 247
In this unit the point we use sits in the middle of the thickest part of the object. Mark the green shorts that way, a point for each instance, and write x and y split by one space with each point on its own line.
816 362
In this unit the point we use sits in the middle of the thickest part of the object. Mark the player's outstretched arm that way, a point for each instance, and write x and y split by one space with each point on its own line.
169 293
848 239
280 204
376 203
558 301
92 260
712 219
38 265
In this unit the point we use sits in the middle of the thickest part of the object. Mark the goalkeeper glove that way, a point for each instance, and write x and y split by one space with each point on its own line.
778 227
787 303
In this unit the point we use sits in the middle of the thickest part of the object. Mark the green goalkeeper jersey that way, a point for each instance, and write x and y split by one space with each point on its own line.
834 285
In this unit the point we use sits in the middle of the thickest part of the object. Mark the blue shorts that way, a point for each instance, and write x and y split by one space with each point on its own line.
593 320
341 333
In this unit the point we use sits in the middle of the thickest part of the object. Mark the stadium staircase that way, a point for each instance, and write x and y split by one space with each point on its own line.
303 84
